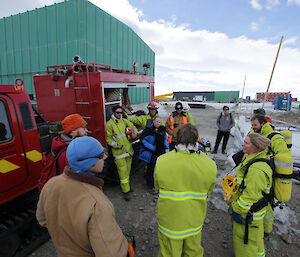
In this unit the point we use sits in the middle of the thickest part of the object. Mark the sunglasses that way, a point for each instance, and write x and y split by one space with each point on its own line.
118 112
98 157
152 109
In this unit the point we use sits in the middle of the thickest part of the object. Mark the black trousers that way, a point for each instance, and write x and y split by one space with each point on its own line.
150 170
220 135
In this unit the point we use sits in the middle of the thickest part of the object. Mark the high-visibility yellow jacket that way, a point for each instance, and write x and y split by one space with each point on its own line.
278 143
184 180
189 115
142 120
257 180
115 135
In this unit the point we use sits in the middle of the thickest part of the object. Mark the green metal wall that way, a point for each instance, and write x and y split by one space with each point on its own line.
139 95
54 34
227 95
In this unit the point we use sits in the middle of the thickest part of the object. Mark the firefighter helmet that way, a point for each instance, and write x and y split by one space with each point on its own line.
152 105
178 105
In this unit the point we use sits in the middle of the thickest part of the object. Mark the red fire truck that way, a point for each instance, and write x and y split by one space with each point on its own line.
91 90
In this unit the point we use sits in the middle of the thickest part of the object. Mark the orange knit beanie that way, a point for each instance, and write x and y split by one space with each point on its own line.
72 122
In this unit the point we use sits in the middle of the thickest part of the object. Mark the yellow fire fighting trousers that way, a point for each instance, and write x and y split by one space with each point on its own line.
124 168
255 246
188 247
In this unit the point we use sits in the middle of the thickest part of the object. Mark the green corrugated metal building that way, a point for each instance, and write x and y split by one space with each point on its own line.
53 34
220 96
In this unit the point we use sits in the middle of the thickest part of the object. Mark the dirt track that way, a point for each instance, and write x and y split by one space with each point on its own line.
138 217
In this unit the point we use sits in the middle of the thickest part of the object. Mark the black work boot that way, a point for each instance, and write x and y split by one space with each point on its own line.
126 196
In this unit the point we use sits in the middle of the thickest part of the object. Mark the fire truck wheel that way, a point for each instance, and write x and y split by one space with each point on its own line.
9 245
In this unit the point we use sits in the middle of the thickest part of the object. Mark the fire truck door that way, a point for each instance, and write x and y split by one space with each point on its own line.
14 170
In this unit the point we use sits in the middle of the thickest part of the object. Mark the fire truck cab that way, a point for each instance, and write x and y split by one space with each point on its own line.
20 149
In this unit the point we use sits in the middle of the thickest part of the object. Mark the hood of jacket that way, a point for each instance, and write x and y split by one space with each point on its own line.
266 130
59 143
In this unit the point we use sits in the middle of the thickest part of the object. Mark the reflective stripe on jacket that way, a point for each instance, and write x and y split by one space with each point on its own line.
181 206
115 135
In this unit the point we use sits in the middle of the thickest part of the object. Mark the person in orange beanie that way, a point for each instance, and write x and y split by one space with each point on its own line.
73 126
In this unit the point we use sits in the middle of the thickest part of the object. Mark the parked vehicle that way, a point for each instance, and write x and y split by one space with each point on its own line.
199 98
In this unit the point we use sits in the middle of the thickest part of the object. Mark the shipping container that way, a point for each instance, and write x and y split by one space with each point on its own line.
271 95
52 35
283 103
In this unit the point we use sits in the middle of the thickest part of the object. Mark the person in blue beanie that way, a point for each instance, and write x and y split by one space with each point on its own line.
79 217
154 143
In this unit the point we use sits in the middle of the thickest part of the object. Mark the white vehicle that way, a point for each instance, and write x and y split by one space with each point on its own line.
199 98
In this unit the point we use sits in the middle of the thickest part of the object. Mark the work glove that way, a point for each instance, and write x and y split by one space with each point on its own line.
130 252
131 246
237 217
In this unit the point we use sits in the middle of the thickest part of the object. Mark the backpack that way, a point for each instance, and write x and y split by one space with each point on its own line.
281 187
49 168
287 135
229 115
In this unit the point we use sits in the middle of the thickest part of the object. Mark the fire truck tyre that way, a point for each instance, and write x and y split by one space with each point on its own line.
9 245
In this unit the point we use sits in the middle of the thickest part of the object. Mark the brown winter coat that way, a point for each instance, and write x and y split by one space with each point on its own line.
79 217
178 122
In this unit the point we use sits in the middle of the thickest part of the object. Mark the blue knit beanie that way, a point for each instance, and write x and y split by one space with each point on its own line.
83 153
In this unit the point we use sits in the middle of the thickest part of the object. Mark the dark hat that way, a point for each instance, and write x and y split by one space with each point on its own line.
178 105
225 108
260 111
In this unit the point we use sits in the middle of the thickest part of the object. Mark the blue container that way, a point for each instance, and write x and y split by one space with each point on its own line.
283 103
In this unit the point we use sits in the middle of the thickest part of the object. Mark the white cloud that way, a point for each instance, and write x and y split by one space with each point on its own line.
272 3
291 41
202 60
254 26
256 4
294 2
14 7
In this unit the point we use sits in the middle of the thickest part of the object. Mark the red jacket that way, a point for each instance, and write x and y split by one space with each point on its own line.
58 144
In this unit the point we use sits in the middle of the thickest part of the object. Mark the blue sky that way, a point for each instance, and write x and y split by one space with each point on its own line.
267 19
210 44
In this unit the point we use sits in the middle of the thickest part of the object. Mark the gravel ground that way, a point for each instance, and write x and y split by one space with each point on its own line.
138 217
